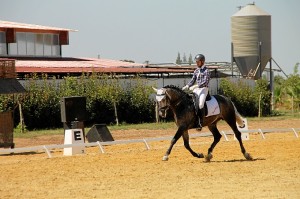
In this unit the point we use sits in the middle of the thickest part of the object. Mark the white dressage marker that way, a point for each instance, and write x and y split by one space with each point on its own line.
245 135
74 136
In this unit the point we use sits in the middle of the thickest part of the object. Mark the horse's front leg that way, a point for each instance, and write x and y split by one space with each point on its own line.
185 137
178 134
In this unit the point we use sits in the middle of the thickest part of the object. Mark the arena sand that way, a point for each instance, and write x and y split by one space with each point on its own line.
131 171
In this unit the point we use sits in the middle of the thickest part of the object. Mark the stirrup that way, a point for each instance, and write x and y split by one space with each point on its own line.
199 127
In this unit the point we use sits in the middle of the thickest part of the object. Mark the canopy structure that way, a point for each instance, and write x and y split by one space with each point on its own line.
8 82
10 86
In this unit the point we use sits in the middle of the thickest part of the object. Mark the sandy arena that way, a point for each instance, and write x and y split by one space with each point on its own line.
132 171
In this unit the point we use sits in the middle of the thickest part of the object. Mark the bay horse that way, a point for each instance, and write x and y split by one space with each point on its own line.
183 108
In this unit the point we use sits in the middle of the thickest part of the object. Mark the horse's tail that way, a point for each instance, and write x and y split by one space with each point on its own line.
238 117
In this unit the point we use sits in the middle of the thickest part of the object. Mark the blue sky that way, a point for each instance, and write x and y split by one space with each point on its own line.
156 30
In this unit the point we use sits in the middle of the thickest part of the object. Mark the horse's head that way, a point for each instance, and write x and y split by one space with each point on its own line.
163 101
166 97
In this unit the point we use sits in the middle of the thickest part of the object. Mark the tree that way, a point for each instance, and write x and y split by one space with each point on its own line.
287 91
292 88
178 60
278 88
184 58
190 59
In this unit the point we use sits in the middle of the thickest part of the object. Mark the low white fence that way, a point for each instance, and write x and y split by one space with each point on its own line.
47 148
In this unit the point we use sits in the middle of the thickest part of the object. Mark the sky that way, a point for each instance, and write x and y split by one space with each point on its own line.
157 30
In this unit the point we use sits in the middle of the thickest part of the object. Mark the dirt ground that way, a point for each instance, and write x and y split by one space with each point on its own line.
132 171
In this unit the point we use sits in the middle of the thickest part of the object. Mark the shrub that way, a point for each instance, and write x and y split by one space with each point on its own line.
41 108
245 98
41 103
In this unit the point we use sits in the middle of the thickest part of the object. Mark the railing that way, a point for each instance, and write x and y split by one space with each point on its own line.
48 148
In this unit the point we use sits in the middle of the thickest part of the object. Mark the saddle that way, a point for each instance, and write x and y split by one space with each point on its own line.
196 103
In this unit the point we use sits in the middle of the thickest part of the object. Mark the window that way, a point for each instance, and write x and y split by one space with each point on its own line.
47 44
2 44
21 42
30 47
38 44
55 46
13 49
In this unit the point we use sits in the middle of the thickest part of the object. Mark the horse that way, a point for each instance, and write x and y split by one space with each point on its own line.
185 116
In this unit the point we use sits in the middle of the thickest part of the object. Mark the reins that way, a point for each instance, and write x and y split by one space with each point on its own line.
176 103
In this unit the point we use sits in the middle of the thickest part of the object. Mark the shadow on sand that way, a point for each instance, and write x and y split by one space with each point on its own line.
235 160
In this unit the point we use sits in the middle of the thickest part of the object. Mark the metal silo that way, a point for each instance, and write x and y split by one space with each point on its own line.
251 40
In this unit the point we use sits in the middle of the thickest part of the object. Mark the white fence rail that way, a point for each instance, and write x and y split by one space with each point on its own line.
47 148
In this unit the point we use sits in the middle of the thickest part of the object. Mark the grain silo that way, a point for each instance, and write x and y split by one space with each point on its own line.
251 40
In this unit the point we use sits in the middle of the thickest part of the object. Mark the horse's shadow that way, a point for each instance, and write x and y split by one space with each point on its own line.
235 160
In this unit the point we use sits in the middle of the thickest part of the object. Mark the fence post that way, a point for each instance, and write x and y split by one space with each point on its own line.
261 133
47 151
146 144
225 136
100 146
295 132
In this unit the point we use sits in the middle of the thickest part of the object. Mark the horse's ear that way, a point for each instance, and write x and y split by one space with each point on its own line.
154 89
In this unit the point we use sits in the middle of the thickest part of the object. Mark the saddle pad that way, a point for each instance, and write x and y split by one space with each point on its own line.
212 107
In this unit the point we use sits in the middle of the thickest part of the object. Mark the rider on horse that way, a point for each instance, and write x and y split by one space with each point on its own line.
201 77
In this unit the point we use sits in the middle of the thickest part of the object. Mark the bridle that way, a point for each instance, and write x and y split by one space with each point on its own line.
161 96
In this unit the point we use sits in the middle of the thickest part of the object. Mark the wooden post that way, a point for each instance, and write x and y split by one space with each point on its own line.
116 113
21 118
293 105
259 107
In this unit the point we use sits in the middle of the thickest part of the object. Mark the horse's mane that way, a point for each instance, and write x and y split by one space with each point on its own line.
175 88
180 91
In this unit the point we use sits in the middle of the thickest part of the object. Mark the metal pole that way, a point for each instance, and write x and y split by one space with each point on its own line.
271 85
279 68
260 59
231 59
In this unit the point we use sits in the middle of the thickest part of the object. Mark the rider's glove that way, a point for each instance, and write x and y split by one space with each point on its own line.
185 87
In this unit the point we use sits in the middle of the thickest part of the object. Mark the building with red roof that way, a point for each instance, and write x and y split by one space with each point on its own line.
37 49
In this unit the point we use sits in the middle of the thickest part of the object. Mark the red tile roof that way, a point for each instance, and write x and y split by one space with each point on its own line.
79 65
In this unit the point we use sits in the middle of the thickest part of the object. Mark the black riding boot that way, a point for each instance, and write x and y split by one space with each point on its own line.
200 116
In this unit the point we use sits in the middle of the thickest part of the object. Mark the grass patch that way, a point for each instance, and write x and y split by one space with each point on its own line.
60 131
149 126
36 133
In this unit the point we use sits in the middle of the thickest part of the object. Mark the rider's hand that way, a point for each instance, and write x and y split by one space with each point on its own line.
185 87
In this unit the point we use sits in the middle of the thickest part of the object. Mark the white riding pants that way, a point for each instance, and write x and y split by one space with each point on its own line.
201 93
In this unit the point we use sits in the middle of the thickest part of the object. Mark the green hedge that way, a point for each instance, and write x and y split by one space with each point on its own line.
245 98
41 103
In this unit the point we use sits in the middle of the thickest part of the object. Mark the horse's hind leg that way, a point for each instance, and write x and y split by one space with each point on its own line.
217 138
185 137
238 136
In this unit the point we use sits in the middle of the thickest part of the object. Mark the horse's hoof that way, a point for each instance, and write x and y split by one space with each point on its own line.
200 155
208 157
248 156
243 126
165 158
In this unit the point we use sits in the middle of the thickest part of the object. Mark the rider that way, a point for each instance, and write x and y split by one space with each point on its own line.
201 77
